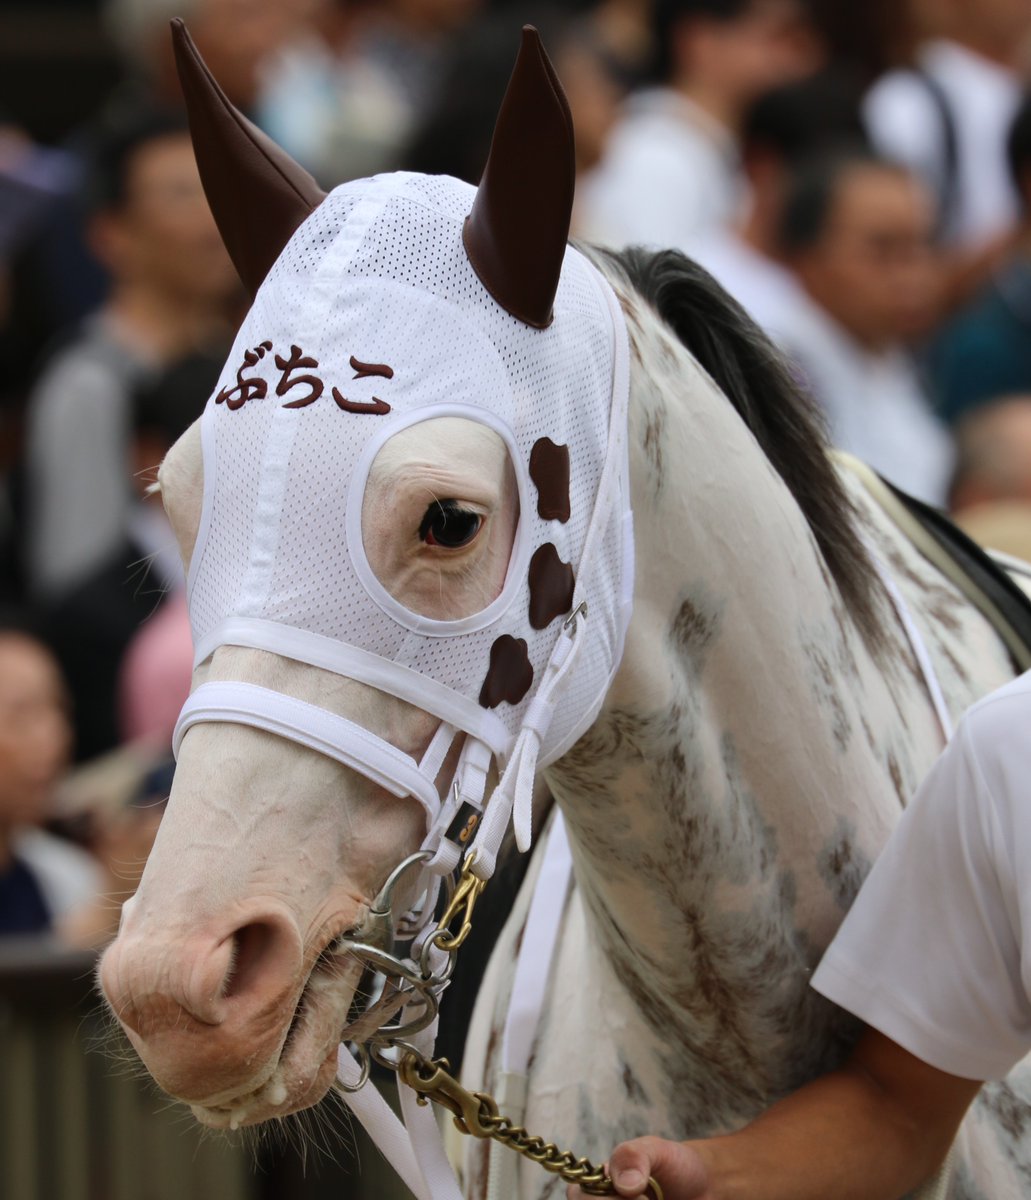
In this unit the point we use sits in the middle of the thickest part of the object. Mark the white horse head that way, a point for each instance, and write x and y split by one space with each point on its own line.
414 471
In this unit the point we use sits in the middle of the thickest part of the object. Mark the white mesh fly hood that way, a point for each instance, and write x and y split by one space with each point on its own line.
379 272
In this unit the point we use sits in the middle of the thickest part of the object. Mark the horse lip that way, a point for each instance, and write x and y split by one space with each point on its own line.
254 1108
222 1105
285 1088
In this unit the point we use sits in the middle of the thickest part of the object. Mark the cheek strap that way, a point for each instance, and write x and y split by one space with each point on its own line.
319 730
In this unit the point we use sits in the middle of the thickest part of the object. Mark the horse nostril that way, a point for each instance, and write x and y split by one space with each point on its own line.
253 946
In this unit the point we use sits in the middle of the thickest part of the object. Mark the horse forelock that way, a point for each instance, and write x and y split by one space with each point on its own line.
758 383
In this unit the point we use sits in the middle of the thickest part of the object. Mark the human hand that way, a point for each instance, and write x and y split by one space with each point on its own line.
676 1167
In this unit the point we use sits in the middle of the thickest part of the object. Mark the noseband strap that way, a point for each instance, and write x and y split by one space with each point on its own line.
319 730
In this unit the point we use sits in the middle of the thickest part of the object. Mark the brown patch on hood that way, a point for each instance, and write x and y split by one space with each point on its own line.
551 586
510 674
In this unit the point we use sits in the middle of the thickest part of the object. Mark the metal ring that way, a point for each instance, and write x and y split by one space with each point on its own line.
363 1078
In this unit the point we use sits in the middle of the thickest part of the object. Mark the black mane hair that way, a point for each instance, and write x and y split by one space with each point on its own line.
785 420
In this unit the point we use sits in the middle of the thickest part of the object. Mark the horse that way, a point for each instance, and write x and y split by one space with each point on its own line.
752 727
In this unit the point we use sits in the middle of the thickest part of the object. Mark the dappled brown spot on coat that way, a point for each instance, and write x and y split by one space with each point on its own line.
895 771
1011 1112
693 629
954 662
633 1089
843 867
654 430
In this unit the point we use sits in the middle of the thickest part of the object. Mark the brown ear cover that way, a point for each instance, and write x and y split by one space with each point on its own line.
257 193
516 234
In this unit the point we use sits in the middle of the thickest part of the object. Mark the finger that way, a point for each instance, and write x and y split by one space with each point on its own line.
676 1167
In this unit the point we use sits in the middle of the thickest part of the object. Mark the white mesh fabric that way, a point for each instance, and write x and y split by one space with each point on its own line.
379 272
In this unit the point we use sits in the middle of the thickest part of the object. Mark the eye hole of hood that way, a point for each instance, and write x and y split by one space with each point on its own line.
439 517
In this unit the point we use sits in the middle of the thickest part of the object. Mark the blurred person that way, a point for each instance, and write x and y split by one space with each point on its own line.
454 136
61 280
94 623
946 116
33 182
120 838
990 493
409 38
236 37
172 284
785 126
156 674
328 104
44 880
857 233
985 351
866 40
672 168
350 93
624 28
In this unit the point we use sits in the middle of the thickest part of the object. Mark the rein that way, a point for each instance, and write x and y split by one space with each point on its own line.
417 981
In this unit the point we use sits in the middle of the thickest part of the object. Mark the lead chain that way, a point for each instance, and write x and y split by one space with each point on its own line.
476 1113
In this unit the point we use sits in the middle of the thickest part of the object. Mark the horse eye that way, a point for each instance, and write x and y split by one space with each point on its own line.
448 525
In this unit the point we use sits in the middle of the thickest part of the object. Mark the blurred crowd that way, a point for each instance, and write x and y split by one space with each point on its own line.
857 176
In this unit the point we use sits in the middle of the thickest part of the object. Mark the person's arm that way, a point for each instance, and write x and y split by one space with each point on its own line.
873 1130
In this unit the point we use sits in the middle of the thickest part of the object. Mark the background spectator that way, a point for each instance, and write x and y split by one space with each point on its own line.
990 495
92 623
237 38
672 170
335 108
786 126
154 674
947 115
171 284
455 134
985 351
856 230
44 880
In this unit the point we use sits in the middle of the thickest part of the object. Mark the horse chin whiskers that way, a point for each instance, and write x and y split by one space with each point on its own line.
323 1131
111 1040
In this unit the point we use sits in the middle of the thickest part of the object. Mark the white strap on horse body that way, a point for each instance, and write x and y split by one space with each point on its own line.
529 987
916 642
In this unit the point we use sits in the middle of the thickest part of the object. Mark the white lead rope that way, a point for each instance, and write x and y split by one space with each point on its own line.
917 643
536 954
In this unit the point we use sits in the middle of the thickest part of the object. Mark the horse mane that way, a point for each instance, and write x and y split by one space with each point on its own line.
784 419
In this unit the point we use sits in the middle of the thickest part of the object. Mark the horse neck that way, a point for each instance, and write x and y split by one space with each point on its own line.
730 583
705 773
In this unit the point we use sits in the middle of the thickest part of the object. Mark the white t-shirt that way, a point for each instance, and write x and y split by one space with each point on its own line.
765 289
936 950
67 875
669 172
906 123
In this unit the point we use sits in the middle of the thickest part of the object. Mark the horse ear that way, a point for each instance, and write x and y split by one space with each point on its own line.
257 193
515 235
